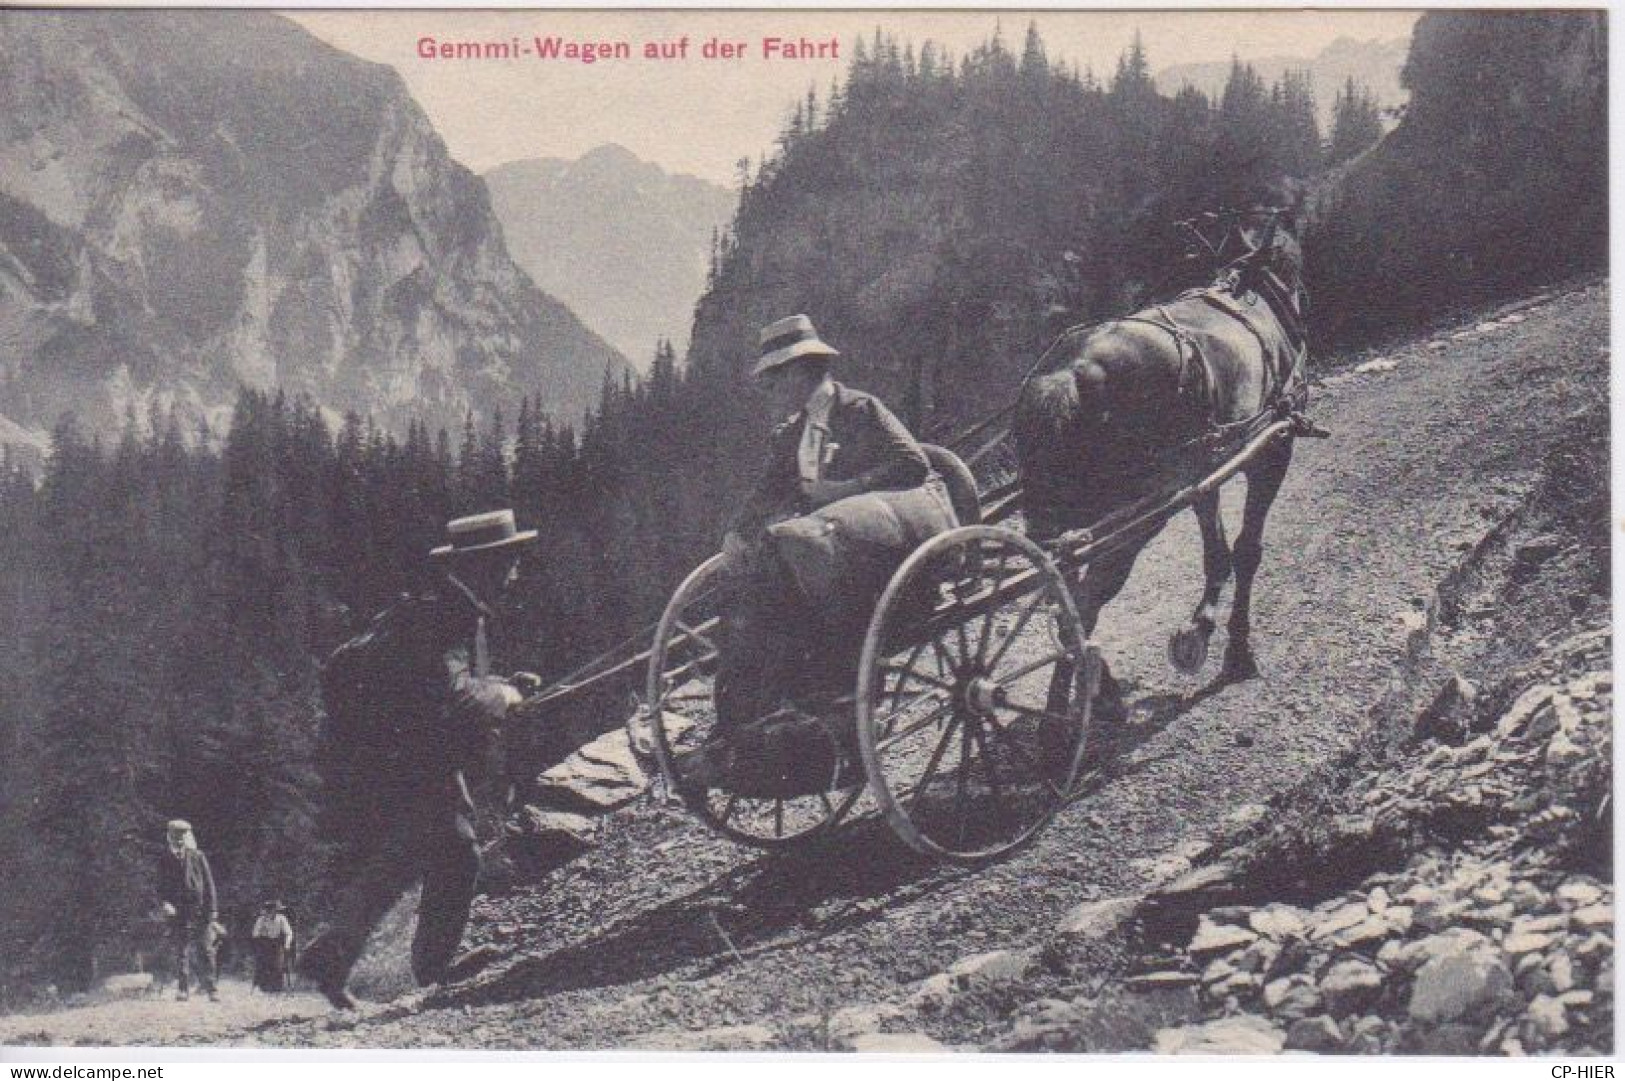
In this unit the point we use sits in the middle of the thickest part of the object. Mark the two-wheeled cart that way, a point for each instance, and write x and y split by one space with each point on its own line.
968 724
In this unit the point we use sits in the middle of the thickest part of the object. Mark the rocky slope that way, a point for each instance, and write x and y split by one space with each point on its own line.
193 200
622 242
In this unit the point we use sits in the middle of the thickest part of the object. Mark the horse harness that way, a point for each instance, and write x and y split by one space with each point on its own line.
1196 375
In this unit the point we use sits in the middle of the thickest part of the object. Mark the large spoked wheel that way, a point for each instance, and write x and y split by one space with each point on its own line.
683 667
973 694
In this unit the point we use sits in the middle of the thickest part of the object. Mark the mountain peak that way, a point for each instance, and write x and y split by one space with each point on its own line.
182 216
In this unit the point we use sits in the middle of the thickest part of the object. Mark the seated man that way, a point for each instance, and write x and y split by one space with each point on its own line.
846 495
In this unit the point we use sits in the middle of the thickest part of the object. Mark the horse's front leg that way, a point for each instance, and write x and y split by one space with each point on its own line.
1264 478
1187 647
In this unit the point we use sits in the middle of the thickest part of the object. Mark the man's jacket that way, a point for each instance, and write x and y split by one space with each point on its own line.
186 882
405 709
867 444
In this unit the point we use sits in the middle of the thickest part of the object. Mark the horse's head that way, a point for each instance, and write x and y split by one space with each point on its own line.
1270 234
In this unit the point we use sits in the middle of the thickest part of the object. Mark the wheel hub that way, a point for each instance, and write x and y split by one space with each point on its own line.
983 695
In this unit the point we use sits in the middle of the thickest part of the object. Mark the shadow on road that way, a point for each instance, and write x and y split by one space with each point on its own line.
782 900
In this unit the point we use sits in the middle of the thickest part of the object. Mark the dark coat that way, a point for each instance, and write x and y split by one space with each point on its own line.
872 447
405 710
186 882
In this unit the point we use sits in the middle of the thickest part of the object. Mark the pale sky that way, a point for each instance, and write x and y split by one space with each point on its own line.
699 115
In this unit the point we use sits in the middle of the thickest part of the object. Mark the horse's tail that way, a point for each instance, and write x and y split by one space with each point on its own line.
1046 408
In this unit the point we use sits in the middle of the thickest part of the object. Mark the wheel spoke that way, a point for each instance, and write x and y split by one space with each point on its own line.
989 765
1030 667
909 673
894 738
1015 747
944 661
964 645
1034 712
728 808
967 750
1015 632
829 808
778 818
696 636
936 758
987 617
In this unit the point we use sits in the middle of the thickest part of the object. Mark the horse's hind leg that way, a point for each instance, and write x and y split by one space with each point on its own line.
1187 647
1091 592
1264 477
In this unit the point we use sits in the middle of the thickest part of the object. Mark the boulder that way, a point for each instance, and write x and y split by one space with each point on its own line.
1451 1038
1096 919
1277 921
985 969
852 1021
1293 996
897 1043
733 1038
1118 1021
1214 938
1318 1034
1458 982
1339 919
550 837
1244 1034
599 777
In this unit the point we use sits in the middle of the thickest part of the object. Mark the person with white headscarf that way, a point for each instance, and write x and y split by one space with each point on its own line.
186 889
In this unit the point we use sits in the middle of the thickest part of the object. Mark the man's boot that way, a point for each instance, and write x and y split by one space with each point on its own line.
319 964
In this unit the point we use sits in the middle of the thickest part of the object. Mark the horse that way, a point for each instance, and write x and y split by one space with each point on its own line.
1118 411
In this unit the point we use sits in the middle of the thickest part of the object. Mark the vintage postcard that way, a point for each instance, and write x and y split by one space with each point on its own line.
938 532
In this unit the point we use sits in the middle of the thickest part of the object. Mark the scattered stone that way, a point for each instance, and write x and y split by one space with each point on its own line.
1294 996
1580 891
1344 918
1376 367
1319 1035
1156 981
551 837
1245 1034
1593 917
1214 938
1560 971
1549 1017
1367 934
1349 986
897 1043
1096 919
852 1021
734 1038
1277 921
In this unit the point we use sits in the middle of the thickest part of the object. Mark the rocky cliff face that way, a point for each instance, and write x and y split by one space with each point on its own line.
619 240
1497 178
190 201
